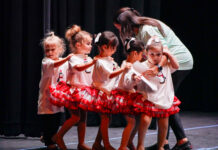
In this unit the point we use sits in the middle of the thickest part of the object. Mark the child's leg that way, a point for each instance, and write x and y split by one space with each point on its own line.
127 131
58 138
105 119
143 127
82 130
162 132
50 127
97 144
134 131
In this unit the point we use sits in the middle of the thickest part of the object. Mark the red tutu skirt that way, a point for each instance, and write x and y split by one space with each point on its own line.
64 95
152 111
96 100
123 101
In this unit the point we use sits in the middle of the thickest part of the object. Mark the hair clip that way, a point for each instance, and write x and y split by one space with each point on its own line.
153 38
128 43
97 37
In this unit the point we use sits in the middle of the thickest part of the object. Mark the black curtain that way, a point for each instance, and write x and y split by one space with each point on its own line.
21 30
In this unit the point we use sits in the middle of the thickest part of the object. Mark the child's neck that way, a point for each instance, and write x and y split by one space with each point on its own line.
130 60
103 55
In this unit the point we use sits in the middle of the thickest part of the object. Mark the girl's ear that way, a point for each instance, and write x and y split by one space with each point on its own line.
104 47
78 44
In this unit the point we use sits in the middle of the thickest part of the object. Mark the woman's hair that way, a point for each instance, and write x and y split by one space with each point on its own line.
129 18
153 42
133 45
106 38
51 38
74 34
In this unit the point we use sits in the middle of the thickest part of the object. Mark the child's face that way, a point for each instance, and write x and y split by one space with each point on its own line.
138 56
154 55
51 51
109 50
85 47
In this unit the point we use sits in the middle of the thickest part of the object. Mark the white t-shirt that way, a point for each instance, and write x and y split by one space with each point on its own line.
163 97
50 75
125 80
102 70
79 78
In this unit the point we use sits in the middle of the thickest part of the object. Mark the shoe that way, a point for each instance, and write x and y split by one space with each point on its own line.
42 139
185 146
97 147
154 147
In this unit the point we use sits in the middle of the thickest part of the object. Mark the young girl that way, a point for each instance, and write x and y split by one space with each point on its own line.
161 103
129 22
105 76
127 82
80 75
53 70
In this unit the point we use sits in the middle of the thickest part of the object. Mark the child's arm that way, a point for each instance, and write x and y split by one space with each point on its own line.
119 71
174 63
82 67
62 61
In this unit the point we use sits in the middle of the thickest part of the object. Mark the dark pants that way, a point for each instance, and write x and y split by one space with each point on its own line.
50 124
174 120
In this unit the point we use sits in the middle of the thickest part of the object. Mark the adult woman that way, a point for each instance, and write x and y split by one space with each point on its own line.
130 23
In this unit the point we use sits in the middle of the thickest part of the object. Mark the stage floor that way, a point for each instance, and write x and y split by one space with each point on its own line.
201 129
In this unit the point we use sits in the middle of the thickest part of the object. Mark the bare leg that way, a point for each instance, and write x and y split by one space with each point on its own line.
127 132
105 119
58 137
82 130
162 132
134 131
143 127
97 144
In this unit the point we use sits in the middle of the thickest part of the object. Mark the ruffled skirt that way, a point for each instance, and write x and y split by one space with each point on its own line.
152 111
64 95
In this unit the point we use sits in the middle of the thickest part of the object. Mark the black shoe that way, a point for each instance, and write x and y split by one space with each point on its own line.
154 147
185 146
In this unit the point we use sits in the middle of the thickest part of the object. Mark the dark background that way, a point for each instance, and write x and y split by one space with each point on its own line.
21 29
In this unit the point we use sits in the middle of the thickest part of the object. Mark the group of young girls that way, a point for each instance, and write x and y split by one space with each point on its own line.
81 83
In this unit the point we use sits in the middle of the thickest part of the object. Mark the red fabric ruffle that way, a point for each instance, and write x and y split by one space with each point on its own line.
150 109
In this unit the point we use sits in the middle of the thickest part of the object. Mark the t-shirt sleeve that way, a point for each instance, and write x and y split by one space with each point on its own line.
149 31
47 66
73 62
103 68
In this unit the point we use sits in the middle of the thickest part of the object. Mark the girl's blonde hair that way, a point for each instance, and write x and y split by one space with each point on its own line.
51 38
75 34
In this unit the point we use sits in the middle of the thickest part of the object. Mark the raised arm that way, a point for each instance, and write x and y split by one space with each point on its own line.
82 67
62 61
172 60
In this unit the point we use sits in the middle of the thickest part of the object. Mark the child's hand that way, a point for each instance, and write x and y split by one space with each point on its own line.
95 59
147 74
70 55
152 72
136 78
166 51
127 66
